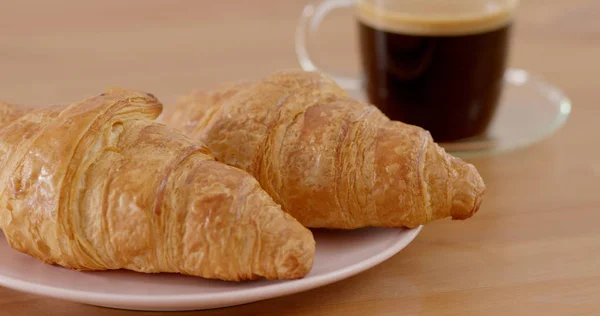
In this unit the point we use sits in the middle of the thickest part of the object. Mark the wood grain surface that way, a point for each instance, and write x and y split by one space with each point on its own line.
534 247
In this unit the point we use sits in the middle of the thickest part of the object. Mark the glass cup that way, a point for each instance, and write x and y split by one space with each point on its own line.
438 64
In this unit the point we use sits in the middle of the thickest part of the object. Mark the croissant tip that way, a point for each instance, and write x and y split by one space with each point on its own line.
468 201
472 211
299 264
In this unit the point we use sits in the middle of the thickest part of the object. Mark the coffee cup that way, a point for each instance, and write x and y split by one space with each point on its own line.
438 64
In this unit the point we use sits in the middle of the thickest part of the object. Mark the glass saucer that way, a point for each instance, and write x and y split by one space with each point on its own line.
530 110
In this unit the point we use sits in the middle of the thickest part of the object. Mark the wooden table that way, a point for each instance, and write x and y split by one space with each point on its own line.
533 247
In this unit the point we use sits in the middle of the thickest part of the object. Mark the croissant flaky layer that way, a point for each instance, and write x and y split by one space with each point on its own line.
98 185
329 160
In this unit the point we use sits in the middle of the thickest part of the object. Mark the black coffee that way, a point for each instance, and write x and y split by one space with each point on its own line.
447 84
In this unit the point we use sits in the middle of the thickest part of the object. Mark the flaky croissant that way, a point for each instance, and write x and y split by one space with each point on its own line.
329 160
98 185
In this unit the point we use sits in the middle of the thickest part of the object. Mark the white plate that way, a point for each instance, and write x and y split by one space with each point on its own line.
340 254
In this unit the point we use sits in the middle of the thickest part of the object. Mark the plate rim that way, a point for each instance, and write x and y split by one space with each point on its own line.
229 298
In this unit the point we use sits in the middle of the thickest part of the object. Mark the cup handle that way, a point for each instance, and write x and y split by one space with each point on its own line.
308 24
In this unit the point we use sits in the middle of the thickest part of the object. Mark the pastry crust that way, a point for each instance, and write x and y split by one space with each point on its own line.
329 160
99 185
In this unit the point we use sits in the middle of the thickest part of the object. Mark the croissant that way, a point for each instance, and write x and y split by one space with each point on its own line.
329 160
99 185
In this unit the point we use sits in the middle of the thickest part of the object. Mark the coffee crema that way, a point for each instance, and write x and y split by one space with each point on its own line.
443 72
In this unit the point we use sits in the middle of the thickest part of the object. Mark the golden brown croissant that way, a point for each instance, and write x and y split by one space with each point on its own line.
330 161
98 185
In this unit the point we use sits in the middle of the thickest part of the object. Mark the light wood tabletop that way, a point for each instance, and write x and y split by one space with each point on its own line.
534 246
